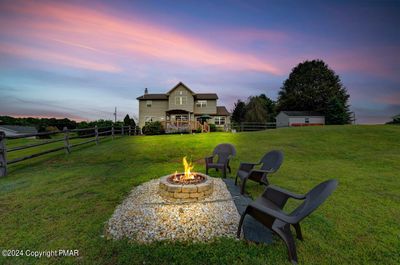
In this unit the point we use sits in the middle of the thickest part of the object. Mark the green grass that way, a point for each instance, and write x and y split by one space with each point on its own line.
61 201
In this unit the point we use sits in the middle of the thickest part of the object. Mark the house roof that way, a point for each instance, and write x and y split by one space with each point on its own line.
302 113
19 129
153 97
206 96
180 84
222 111
197 96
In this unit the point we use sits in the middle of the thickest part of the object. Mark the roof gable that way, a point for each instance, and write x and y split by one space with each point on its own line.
180 84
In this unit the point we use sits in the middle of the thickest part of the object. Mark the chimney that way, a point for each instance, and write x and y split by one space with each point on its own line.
146 91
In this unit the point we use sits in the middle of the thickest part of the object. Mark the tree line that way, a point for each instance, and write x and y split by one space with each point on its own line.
311 86
53 124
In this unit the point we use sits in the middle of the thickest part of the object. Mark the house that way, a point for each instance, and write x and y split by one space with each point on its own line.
182 109
15 130
299 118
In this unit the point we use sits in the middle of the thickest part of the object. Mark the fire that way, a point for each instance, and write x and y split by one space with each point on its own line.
188 167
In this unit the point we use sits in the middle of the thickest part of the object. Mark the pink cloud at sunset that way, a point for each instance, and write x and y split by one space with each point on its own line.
96 31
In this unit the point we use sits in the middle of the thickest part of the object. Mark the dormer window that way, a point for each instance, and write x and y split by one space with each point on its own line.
149 103
201 103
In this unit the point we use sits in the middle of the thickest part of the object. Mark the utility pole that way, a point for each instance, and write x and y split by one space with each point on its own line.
115 115
354 117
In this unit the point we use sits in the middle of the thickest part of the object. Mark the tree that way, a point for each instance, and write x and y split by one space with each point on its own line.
239 112
313 86
255 110
396 120
270 107
129 121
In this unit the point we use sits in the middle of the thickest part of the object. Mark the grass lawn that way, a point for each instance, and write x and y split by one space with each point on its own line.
61 201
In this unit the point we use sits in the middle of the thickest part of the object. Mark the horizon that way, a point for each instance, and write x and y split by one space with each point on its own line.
79 60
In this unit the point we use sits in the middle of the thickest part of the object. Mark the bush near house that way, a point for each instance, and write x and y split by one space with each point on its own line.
213 127
153 128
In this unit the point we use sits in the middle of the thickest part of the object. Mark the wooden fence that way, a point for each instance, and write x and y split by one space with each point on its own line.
252 126
94 134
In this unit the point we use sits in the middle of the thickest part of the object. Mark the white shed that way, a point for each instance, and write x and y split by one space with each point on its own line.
299 118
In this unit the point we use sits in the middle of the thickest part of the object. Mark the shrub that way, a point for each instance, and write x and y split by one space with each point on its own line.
153 128
213 127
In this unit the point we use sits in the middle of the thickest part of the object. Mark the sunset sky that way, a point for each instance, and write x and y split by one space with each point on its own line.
80 59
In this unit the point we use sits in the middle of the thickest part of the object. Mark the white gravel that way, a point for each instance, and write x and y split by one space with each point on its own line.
144 216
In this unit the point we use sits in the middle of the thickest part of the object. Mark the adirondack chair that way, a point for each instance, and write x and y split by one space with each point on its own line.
270 163
223 152
268 210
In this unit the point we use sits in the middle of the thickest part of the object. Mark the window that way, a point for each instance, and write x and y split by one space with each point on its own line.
181 117
149 103
201 103
307 120
181 100
219 120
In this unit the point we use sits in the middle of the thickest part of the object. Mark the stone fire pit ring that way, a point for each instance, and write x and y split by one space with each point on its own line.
174 192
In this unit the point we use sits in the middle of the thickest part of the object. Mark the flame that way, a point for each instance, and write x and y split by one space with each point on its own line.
188 167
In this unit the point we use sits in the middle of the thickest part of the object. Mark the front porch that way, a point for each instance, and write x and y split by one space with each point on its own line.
184 126
179 121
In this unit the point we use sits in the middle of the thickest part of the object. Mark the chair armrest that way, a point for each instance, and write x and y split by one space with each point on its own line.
274 213
285 192
246 166
209 159
260 171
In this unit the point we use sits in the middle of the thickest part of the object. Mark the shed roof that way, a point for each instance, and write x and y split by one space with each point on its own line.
303 113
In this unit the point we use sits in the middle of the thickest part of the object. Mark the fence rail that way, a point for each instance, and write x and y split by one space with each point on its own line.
84 133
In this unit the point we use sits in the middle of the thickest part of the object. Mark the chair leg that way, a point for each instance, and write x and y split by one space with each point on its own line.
241 223
229 168
236 180
285 234
224 172
206 170
298 231
243 186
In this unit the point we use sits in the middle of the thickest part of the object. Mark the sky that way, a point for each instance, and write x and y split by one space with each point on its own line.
80 59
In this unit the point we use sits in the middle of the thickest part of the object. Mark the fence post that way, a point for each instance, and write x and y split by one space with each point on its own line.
96 134
66 140
3 155
112 131
122 130
129 130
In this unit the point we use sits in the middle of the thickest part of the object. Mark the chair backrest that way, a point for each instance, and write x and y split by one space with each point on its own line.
224 151
314 198
272 160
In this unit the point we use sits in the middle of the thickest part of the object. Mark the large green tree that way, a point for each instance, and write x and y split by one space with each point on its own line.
313 86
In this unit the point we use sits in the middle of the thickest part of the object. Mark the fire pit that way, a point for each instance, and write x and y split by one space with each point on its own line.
186 186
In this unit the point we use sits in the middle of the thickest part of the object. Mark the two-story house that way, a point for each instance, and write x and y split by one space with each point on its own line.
182 109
